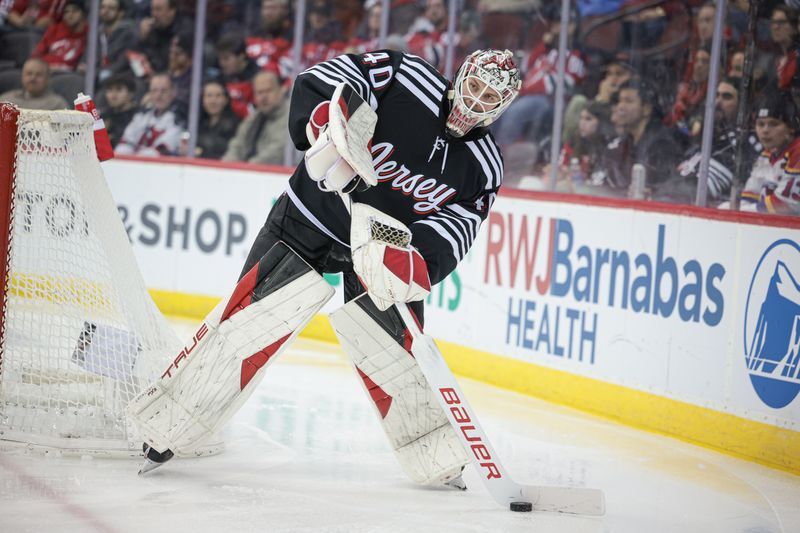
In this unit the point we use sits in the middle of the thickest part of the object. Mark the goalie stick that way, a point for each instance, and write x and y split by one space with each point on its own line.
461 416
495 478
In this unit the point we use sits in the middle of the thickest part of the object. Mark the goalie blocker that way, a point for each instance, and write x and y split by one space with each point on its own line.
218 369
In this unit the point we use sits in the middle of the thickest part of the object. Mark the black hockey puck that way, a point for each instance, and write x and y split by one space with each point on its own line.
521 507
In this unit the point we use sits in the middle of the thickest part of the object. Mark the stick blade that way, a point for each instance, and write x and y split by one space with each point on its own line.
566 500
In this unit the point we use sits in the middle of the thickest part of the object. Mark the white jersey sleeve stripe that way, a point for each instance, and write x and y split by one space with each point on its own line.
423 76
421 81
492 161
484 164
335 74
497 157
373 102
460 228
463 213
346 65
331 68
427 102
322 77
341 66
446 236
468 222
448 227
411 60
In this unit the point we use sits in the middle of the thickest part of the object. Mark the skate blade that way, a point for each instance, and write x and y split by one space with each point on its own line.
457 483
148 466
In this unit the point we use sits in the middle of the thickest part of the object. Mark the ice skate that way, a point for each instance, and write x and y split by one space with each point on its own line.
153 459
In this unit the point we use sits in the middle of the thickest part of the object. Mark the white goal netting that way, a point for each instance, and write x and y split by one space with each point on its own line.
82 335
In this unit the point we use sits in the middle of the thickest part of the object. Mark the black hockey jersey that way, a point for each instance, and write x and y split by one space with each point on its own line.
441 187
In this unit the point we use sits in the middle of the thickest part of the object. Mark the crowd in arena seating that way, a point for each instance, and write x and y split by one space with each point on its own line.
636 74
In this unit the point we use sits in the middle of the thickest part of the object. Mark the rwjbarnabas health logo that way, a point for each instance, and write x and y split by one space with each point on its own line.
772 325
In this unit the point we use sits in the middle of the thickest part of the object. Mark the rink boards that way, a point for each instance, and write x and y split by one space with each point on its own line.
674 319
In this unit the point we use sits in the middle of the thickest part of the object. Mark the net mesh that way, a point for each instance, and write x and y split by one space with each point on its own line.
82 336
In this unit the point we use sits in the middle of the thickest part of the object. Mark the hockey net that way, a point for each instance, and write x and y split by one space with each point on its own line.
80 336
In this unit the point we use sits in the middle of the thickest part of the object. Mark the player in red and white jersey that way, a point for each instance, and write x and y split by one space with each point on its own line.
64 42
774 183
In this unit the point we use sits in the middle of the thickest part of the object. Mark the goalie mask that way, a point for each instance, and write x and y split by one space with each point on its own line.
485 85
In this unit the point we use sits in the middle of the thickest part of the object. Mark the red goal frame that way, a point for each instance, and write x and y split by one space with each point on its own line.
9 115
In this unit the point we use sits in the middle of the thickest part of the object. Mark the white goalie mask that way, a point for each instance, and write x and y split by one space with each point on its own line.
485 85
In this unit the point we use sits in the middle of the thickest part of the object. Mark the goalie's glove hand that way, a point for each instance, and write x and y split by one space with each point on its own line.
391 274
323 162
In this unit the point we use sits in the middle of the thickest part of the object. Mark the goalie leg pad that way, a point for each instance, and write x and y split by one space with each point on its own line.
424 442
217 370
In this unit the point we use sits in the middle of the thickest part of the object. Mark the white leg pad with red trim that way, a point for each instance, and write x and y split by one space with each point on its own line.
225 360
425 443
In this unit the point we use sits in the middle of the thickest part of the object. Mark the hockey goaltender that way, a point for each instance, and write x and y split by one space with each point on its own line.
398 175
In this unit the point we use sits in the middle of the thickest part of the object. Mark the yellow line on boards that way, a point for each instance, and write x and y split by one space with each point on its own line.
763 443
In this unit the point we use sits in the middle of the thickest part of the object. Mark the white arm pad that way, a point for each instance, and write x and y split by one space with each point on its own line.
340 133
326 166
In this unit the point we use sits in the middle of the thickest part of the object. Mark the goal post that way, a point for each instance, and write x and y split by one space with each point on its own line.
79 334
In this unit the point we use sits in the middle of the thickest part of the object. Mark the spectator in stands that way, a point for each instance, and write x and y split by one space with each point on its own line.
322 27
404 12
689 100
644 28
774 183
530 116
157 129
5 9
348 14
261 138
644 140
38 15
722 164
276 21
119 91
594 133
35 92
237 72
369 31
50 12
616 72
783 23
157 31
587 144
180 67
116 36
427 35
739 20
736 64
700 39
63 43
271 47
218 122
762 67
19 15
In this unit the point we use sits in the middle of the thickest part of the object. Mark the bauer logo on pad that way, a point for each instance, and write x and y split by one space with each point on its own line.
772 325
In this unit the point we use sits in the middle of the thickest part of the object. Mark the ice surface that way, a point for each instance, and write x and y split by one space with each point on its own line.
306 454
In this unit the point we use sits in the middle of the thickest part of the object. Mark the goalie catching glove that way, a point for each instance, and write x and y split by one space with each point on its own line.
389 267
340 133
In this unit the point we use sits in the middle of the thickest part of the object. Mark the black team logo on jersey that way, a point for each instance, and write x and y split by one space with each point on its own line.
429 194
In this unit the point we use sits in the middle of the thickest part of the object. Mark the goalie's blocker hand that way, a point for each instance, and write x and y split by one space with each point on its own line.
390 268
340 133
